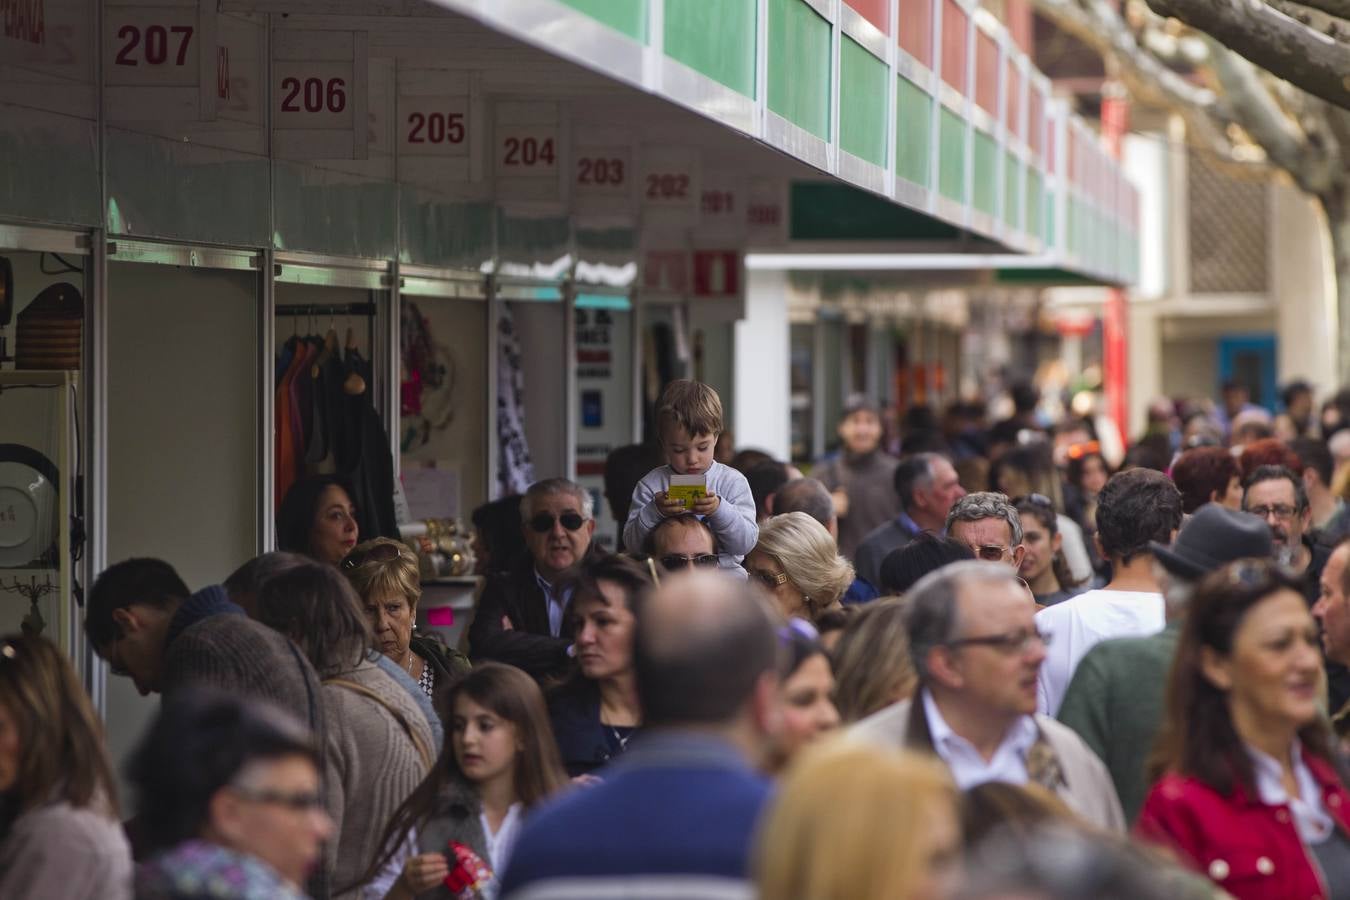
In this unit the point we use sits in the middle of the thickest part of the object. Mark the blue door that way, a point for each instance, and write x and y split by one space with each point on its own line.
1250 360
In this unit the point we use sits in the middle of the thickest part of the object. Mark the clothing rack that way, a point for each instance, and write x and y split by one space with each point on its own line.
341 309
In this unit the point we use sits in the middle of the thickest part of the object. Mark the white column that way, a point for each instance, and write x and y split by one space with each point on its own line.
1302 290
762 418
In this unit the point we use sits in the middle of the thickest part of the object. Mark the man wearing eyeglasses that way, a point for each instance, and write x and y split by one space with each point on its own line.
975 647
1277 495
682 542
521 618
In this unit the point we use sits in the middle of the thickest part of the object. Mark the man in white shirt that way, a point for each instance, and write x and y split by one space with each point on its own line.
974 644
1135 508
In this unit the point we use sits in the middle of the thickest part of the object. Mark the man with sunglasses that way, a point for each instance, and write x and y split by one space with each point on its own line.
682 542
975 647
989 525
521 618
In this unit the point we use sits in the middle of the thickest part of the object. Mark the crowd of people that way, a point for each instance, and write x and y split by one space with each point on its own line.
957 659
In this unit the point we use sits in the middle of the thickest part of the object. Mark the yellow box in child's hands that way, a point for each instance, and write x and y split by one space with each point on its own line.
687 488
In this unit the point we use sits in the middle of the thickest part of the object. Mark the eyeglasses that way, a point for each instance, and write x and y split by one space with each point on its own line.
1282 511
990 552
543 523
379 553
1012 643
769 579
298 801
1035 500
674 562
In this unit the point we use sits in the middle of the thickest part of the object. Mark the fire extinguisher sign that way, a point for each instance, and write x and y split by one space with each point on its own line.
717 273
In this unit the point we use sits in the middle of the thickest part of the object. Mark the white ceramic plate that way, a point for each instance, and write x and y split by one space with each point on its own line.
27 514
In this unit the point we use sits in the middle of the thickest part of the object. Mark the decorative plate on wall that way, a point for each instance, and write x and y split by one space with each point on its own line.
28 508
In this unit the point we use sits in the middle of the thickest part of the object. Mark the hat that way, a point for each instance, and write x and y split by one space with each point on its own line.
1213 537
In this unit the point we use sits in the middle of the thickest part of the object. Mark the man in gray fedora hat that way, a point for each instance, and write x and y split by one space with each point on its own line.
1115 700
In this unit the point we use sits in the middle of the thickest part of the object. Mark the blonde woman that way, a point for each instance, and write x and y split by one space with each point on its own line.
871 661
384 574
799 563
857 821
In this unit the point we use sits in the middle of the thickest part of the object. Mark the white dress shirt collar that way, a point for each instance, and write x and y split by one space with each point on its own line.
1310 815
557 601
968 767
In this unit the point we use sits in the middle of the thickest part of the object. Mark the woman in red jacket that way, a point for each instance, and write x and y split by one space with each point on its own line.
1248 792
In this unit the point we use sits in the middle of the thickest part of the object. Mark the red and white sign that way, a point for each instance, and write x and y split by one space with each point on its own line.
528 154
160 62
717 273
319 94
436 126
665 271
24 21
602 172
671 181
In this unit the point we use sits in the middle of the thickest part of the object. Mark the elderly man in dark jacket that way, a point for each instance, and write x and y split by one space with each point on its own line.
522 615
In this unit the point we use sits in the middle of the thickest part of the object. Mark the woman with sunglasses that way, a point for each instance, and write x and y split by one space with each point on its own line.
384 574
1248 791
1044 568
596 713
682 542
56 786
229 800
799 564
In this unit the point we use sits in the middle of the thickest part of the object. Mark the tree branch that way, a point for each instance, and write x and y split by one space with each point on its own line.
1287 49
1338 8
1257 111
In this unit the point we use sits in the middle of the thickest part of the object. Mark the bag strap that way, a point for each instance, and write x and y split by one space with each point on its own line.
428 758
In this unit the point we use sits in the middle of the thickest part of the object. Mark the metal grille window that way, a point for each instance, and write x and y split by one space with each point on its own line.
1227 220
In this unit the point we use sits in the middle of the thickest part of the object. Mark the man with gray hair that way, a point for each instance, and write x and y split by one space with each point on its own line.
974 645
521 617
811 497
1115 700
990 526
927 486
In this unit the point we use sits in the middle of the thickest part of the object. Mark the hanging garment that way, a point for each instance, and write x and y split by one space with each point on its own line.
287 456
362 453
515 468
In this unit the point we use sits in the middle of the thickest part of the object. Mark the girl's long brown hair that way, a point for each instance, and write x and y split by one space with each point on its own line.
509 693
62 754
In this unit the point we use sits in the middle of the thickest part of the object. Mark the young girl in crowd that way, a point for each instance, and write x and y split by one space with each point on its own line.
499 763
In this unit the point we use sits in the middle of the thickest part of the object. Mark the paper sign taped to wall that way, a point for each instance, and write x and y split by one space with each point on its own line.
688 488
431 493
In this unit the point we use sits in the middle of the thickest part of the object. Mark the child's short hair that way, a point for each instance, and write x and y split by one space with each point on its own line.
692 405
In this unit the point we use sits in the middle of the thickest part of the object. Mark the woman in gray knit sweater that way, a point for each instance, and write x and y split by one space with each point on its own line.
378 745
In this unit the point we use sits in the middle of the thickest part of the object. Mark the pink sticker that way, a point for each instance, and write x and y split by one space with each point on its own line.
440 617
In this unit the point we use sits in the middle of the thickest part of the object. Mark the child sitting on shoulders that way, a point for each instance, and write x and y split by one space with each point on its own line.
689 419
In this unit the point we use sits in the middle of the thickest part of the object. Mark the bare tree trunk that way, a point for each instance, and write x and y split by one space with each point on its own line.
1336 205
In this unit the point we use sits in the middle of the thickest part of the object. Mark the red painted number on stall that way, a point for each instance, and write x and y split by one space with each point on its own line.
435 128
155 43
529 152
315 95
667 187
600 171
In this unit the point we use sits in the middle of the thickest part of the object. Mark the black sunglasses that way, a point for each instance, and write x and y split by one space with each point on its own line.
674 562
543 523
379 553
